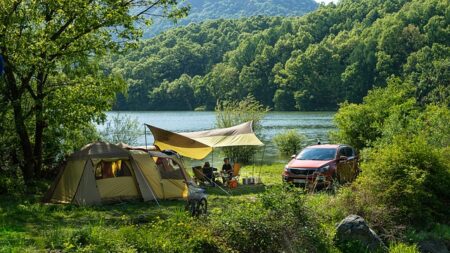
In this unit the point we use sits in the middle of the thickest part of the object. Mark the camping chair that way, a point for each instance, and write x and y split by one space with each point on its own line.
199 176
233 181
236 170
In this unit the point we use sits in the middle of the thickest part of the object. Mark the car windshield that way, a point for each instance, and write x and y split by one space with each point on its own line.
317 154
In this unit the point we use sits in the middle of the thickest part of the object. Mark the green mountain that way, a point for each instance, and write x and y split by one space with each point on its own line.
202 10
315 62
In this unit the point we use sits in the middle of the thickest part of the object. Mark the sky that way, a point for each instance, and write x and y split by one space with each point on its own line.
326 1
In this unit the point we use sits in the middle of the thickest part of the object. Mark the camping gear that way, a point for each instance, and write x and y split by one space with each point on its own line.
102 172
232 183
198 145
197 203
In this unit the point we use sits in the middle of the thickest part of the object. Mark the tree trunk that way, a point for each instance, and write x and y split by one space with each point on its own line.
28 167
40 125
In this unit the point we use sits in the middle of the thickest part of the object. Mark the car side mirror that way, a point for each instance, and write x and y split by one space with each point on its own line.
293 156
343 158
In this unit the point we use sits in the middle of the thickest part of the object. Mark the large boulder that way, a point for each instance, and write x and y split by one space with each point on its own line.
432 246
353 233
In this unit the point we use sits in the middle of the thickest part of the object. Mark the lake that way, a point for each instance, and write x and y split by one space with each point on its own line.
314 125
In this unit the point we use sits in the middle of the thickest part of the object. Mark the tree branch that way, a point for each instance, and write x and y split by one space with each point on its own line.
148 8
62 29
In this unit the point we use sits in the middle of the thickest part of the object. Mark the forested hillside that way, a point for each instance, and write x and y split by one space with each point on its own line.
314 62
202 10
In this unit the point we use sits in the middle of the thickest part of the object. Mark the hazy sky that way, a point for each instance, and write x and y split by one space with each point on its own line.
327 1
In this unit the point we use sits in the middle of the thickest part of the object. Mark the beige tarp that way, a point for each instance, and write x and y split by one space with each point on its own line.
198 145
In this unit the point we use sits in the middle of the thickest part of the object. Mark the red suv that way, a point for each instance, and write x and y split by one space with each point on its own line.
322 164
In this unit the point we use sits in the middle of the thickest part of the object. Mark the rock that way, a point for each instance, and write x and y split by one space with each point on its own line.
432 246
353 231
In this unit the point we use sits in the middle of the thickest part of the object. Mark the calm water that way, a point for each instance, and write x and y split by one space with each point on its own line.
314 125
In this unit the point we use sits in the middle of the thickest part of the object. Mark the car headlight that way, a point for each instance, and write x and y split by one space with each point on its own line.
286 168
324 169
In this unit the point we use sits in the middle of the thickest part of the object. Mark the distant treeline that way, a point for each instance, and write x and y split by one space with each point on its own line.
202 10
315 62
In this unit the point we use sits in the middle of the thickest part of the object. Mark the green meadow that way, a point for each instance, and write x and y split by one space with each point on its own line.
251 218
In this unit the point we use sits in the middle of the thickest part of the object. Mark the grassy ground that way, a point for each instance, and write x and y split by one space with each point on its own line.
26 225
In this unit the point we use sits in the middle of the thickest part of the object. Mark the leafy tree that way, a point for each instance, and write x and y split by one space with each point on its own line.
231 113
429 70
360 125
289 142
174 95
51 79
223 83
122 128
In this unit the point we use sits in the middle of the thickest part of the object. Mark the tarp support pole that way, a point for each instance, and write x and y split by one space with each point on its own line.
212 158
253 165
262 161
145 134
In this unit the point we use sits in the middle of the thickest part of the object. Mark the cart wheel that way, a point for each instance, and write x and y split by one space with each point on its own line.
191 207
202 207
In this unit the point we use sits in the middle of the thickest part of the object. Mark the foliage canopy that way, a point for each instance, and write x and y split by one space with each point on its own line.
314 62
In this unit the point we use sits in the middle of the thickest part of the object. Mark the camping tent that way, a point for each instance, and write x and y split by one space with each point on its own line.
103 172
198 145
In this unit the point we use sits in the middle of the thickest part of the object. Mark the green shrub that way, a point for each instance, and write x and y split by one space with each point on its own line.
403 248
289 142
403 183
11 181
276 222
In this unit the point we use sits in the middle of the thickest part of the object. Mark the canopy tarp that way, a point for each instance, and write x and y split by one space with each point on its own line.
198 145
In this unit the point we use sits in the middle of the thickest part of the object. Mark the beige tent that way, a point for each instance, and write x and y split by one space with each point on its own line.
103 172
198 145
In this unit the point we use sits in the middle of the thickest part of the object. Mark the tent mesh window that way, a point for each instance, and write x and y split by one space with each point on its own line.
169 169
112 169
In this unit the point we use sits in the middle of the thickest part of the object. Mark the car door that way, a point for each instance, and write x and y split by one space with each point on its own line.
352 162
344 166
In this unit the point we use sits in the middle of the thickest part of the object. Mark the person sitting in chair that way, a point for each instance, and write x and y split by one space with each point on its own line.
227 169
208 172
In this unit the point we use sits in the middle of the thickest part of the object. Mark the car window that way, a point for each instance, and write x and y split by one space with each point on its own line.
351 152
317 154
346 151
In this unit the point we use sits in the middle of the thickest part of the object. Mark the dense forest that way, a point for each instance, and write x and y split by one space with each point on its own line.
314 62
202 10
